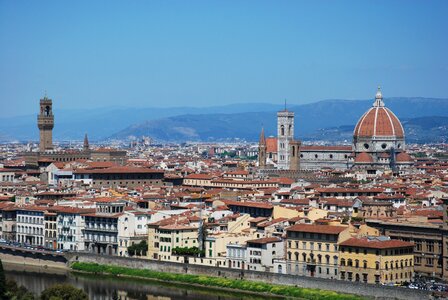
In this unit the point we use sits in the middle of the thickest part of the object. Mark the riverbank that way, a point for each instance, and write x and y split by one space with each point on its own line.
217 282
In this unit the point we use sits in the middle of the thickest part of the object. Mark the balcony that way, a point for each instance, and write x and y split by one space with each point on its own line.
104 229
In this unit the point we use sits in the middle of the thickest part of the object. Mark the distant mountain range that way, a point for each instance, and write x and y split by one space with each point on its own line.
331 120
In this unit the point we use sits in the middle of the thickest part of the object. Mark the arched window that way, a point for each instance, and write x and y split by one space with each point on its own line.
349 263
297 256
47 111
282 130
293 151
342 262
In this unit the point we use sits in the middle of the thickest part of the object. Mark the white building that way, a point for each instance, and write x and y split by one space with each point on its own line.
261 253
70 226
30 226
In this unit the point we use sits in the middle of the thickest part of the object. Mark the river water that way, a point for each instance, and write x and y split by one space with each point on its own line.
102 287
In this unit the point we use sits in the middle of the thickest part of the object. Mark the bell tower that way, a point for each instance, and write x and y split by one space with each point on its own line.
45 123
262 147
285 134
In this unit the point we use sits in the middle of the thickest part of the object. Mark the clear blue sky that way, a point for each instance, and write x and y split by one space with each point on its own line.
202 53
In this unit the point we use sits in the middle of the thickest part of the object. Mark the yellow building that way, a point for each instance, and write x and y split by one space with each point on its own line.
312 250
163 238
377 260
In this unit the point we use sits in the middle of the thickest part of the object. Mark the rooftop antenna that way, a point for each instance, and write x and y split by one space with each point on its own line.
285 104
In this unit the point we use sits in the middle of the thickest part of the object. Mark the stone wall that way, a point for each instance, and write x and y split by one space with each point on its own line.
374 291
32 259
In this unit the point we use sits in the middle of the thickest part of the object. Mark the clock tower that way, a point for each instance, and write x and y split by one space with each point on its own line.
45 123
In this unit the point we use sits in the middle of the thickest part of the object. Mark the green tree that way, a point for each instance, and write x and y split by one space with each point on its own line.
3 290
16 292
139 249
63 292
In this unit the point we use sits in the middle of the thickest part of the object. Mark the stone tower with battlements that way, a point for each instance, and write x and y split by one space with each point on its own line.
45 123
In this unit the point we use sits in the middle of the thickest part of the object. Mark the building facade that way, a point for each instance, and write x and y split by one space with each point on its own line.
376 260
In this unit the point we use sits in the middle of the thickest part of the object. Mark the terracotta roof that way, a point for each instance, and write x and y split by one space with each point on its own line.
363 157
271 144
266 240
375 243
199 176
404 157
327 229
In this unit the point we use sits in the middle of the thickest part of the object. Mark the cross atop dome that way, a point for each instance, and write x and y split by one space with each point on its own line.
378 98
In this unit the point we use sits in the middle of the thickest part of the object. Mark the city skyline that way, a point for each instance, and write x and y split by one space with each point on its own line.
146 54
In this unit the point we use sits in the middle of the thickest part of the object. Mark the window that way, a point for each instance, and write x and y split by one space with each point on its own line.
430 246
350 276
377 279
418 245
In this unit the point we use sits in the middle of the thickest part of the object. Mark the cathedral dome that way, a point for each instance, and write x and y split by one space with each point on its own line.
378 121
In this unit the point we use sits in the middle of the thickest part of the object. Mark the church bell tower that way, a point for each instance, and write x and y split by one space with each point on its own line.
285 134
262 147
45 123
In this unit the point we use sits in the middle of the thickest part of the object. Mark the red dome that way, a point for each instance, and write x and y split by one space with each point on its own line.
379 121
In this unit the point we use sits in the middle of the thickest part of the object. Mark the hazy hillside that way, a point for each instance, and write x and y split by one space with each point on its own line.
101 123
321 120
214 123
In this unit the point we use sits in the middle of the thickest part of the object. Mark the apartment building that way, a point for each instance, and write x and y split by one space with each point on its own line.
312 250
261 253
377 260
30 225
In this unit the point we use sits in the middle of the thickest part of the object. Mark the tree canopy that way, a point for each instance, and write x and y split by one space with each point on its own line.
63 292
